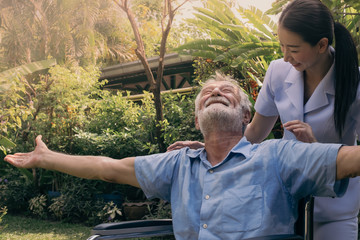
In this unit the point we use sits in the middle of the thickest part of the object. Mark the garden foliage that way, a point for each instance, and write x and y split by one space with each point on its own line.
74 115
3 212
68 107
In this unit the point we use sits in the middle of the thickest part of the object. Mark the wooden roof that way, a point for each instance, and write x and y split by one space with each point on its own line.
178 73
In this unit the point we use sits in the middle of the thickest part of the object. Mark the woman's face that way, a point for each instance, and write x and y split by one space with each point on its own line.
296 51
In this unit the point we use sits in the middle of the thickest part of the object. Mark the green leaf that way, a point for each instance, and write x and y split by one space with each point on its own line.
259 22
27 174
205 45
6 142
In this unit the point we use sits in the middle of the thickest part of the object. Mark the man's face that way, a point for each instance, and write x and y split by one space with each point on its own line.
219 94
219 108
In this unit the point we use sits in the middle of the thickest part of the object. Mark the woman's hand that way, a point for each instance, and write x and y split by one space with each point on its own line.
302 131
182 144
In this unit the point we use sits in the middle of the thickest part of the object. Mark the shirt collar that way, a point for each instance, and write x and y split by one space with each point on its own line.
243 147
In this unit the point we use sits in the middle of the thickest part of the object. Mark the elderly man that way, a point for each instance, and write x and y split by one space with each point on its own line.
229 190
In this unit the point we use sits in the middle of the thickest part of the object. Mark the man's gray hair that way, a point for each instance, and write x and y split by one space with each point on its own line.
219 77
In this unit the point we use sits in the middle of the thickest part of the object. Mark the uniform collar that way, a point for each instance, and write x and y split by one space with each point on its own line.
326 87
295 90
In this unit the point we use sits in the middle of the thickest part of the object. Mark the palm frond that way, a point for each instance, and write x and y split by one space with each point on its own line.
204 44
242 41
6 76
277 7
216 27
259 22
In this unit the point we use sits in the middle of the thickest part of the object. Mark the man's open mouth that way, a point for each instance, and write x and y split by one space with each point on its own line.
221 100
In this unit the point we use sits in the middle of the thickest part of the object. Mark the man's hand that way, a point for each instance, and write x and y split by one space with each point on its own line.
302 131
28 160
181 144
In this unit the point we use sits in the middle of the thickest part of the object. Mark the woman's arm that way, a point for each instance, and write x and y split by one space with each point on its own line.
259 128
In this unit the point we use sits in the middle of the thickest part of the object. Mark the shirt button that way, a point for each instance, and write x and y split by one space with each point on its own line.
211 171
207 197
205 225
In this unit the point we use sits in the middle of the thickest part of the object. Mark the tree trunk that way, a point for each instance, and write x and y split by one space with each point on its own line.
168 14
159 119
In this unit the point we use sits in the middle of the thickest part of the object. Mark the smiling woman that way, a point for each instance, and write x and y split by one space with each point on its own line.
316 88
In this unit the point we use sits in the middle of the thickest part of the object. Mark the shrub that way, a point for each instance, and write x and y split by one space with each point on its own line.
162 210
118 128
179 113
110 212
3 212
110 143
37 206
78 202
15 192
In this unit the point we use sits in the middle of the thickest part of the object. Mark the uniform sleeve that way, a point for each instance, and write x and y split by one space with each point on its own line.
155 173
265 104
308 169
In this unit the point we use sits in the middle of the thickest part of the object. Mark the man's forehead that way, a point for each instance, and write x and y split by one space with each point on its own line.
219 83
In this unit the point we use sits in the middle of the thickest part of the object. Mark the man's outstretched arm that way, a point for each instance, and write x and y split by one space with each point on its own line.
89 167
348 162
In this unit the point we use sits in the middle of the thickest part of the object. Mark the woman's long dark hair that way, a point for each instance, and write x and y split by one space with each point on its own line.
312 20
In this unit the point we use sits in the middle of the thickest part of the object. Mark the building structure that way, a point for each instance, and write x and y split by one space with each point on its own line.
178 75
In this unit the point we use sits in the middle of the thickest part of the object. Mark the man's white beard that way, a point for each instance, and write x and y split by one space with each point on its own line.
217 117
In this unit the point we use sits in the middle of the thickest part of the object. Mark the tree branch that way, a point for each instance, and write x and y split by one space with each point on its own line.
140 50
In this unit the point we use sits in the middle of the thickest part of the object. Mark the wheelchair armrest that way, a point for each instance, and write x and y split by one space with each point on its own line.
279 237
132 229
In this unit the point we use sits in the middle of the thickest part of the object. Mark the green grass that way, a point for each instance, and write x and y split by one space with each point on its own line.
26 228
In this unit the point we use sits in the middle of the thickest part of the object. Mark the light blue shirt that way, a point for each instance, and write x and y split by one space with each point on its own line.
252 192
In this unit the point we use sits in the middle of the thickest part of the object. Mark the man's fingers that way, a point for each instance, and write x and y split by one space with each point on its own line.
39 141
14 160
22 160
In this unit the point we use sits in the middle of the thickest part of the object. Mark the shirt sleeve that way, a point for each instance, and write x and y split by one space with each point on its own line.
265 104
155 173
309 169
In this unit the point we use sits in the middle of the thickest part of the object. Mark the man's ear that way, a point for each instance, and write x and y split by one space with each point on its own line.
323 44
197 126
246 118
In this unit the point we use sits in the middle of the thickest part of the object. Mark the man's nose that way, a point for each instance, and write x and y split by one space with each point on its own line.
216 92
